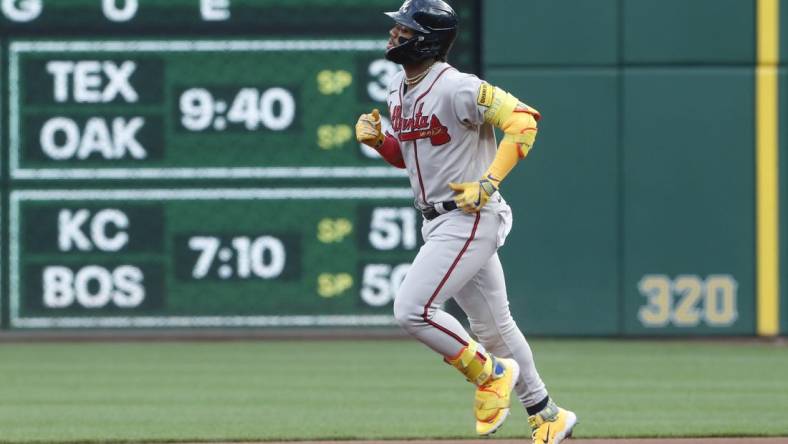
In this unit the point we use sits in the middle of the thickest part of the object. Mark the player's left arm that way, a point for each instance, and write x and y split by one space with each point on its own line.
369 132
518 122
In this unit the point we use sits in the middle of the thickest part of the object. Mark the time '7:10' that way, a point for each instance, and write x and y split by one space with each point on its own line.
263 257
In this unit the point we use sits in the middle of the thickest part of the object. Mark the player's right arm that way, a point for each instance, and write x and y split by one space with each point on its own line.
518 122
368 132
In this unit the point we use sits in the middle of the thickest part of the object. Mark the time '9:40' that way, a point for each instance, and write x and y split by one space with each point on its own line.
252 108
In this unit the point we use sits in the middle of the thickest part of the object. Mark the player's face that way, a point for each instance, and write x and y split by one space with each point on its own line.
398 34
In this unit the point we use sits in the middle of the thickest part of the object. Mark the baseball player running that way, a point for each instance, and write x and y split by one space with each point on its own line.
442 134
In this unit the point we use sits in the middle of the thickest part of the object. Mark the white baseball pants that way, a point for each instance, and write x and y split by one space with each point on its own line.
459 260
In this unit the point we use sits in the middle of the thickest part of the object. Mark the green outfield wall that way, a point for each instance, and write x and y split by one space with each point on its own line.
192 164
638 208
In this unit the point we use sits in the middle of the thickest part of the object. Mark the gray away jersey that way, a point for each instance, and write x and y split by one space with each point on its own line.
441 131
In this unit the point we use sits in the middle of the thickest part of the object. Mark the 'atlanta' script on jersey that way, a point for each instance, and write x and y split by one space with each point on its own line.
419 127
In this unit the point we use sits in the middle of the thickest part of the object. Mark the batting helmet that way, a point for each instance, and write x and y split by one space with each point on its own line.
435 24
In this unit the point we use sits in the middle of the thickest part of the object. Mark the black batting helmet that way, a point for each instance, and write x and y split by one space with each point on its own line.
435 24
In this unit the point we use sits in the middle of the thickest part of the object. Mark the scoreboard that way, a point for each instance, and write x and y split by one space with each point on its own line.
192 163
208 257
141 109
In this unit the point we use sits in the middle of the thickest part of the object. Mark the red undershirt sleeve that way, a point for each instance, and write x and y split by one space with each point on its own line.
391 152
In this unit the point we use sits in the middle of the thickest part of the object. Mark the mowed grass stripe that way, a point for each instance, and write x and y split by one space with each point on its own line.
289 390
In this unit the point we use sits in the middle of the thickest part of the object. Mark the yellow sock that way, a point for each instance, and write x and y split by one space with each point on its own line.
475 369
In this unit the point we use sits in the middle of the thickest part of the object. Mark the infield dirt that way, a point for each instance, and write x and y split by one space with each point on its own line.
744 440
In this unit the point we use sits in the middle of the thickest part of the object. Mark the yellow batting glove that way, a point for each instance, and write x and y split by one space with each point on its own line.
368 129
472 196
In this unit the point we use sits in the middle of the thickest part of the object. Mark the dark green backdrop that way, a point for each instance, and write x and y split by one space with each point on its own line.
634 214
636 208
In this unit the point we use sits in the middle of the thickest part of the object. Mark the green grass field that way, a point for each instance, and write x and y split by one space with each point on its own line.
145 392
